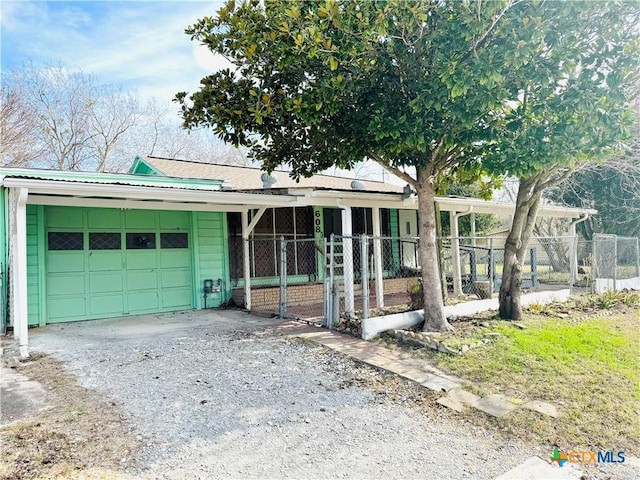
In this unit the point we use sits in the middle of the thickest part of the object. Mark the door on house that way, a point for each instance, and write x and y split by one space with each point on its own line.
332 218
408 226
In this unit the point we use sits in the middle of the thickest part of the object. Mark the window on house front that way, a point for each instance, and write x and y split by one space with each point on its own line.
385 222
290 223
65 240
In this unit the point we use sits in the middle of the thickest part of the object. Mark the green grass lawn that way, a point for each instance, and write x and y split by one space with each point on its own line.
588 366
589 369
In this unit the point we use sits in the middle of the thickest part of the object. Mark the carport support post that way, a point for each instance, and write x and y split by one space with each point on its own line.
377 256
246 260
347 251
332 306
573 256
20 309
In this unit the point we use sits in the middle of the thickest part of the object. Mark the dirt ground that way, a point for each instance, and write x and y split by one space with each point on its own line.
79 435
82 436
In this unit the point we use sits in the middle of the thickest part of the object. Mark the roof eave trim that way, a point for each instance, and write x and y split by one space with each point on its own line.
45 187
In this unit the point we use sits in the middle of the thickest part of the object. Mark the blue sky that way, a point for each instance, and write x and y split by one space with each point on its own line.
140 45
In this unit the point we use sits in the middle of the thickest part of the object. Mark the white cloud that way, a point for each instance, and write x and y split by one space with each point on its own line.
210 61
14 14
141 45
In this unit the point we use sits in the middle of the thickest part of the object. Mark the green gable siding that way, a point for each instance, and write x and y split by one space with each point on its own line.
211 253
140 167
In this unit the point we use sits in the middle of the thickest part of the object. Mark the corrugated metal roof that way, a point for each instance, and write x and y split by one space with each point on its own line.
246 178
112 179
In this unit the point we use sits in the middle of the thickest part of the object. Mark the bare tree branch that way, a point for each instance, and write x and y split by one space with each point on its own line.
396 171
18 126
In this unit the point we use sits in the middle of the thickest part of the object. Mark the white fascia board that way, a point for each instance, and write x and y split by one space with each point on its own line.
558 211
331 198
55 200
346 202
218 199
45 187
453 204
446 204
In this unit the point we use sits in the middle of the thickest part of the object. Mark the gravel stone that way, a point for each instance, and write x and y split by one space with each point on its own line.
222 394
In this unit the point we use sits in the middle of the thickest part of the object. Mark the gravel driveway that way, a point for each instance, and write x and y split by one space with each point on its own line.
220 394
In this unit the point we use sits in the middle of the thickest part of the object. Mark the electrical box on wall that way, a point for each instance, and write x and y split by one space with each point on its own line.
211 287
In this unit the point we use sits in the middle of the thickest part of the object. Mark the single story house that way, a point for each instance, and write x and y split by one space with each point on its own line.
78 245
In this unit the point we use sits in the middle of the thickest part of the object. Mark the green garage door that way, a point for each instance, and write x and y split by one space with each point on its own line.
108 262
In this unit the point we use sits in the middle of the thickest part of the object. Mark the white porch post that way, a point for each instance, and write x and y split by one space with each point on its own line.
246 261
19 239
573 249
455 254
347 252
377 256
473 229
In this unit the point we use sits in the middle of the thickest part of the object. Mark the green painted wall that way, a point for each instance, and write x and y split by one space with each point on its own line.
33 266
395 232
211 256
144 169
3 260
318 234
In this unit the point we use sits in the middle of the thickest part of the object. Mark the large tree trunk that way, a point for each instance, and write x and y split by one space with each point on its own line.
524 219
440 246
434 318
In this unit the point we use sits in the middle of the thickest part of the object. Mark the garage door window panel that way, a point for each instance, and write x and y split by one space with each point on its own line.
141 241
65 240
174 240
105 241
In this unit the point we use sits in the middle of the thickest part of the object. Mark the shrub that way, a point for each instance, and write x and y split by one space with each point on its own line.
416 294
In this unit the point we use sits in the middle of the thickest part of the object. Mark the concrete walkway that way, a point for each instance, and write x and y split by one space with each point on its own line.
20 397
380 357
456 397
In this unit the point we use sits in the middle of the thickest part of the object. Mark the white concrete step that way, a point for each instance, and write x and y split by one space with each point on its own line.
536 468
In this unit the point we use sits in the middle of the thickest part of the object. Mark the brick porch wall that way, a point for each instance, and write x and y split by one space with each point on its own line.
268 298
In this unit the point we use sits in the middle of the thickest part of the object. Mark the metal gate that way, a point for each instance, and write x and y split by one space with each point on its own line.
302 271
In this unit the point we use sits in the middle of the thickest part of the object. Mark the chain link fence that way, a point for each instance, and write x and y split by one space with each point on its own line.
614 263
281 271
472 266
344 279
368 273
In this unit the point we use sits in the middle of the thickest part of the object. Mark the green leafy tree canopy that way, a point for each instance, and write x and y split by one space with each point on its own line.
433 85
